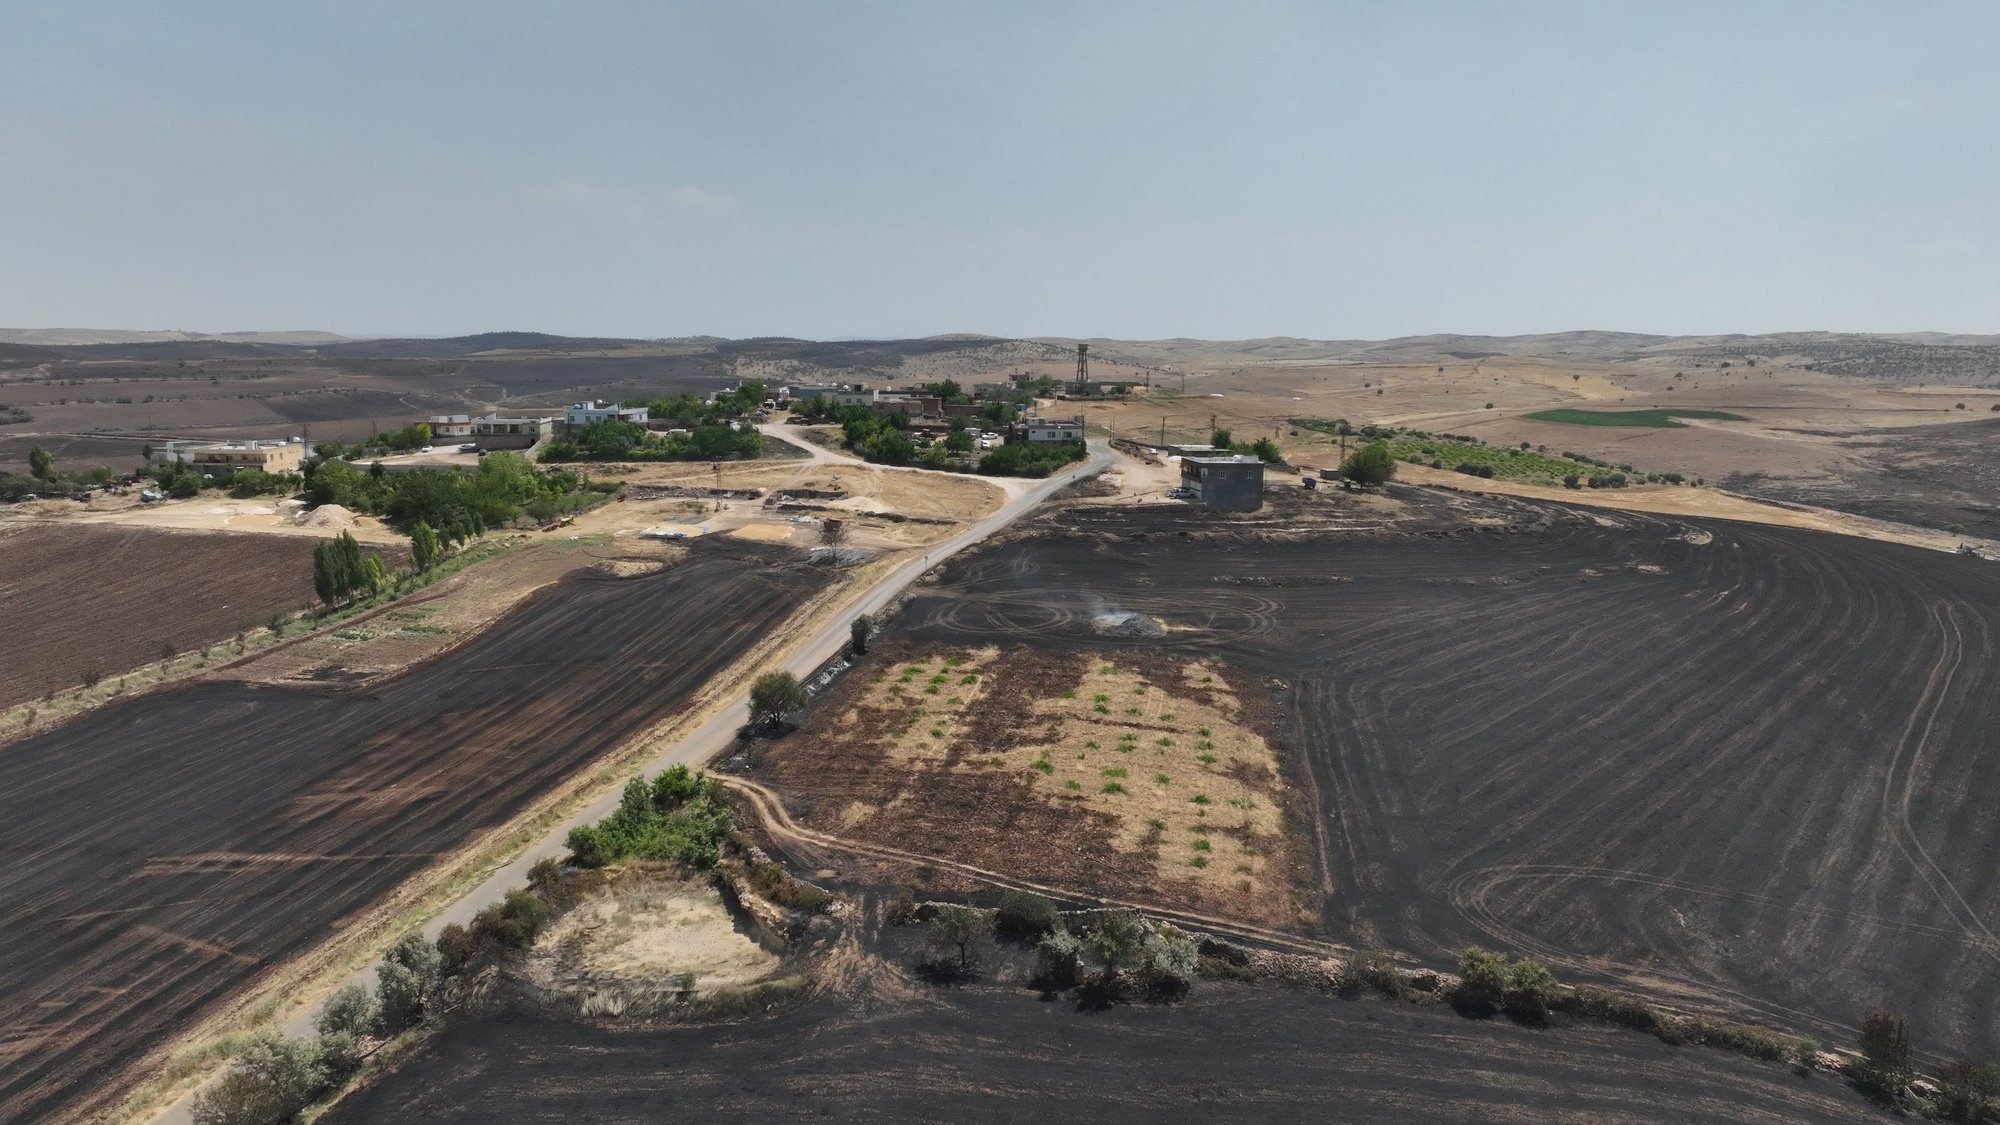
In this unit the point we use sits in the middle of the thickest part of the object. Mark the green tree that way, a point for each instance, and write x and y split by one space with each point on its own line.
331 579
347 1017
958 927
1371 464
423 546
958 441
773 696
1059 957
371 574
858 633
406 984
41 463
1887 1063
1483 978
1025 915
1115 939
272 1079
1170 959
333 482
1267 451
1220 439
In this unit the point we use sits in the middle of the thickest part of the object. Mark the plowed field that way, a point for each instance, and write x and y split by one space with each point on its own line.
1749 764
163 852
993 1053
76 598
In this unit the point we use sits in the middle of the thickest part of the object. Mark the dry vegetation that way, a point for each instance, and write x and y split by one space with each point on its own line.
1123 773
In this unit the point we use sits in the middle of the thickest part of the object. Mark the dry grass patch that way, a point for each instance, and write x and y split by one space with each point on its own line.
651 935
1172 766
922 707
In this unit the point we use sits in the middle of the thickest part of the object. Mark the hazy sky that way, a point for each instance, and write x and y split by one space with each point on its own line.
848 169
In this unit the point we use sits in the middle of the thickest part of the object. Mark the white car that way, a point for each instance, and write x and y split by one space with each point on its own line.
425 449
469 447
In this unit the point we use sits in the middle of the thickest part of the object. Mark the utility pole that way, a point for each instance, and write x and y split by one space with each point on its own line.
1163 430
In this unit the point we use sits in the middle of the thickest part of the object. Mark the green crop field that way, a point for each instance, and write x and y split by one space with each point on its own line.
1656 419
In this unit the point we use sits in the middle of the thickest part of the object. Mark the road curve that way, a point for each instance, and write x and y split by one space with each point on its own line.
719 732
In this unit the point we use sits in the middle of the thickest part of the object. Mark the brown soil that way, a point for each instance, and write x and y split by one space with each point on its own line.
77 599
1002 758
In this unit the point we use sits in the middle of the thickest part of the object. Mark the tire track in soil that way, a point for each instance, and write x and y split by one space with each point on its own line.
167 851
1746 762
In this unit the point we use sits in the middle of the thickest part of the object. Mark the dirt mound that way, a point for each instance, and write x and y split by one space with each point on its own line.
648 937
329 516
629 568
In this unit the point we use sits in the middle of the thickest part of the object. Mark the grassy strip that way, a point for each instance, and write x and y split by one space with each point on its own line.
1470 455
1653 419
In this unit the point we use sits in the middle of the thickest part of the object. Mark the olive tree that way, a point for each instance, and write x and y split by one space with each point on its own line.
774 695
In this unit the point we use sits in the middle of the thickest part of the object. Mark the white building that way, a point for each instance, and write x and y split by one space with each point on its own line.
584 413
1055 429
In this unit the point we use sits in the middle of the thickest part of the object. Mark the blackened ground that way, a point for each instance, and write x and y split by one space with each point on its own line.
997 1053
164 852
1945 477
1749 765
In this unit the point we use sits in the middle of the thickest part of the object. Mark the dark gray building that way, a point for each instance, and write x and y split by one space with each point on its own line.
1225 483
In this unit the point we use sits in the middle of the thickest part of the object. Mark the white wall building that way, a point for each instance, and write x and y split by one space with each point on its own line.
584 413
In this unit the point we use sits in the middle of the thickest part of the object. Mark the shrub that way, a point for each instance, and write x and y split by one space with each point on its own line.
1115 940
775 883
512 923
1484 978
959 928
681 817
1371 970
1168 959
1966 1090
1371 464
1613 1007
347 1017
271 1081
406 985
1530 988
1887 1064
1059 958
1025 916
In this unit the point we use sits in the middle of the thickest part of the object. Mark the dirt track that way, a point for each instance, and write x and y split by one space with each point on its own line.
994 1053
164 851
1747 764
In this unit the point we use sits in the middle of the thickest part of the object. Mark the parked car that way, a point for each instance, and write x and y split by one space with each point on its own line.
469 447
425 449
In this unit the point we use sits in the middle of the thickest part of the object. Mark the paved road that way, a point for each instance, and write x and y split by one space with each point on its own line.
719 732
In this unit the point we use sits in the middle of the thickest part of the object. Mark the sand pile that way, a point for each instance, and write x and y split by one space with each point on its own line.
327 516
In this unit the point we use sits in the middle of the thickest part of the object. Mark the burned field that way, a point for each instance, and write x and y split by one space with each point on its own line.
1109 769
78 601
166 851
994 1053
1735 764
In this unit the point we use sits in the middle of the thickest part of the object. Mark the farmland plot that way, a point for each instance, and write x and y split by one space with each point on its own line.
1748 765
165 852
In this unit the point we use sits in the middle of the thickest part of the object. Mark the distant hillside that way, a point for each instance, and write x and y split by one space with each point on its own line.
458 347
70 337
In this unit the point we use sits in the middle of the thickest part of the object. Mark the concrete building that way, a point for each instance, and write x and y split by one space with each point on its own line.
283 455
1053 429
450 425
812 390
579 414
496 432
1225 483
